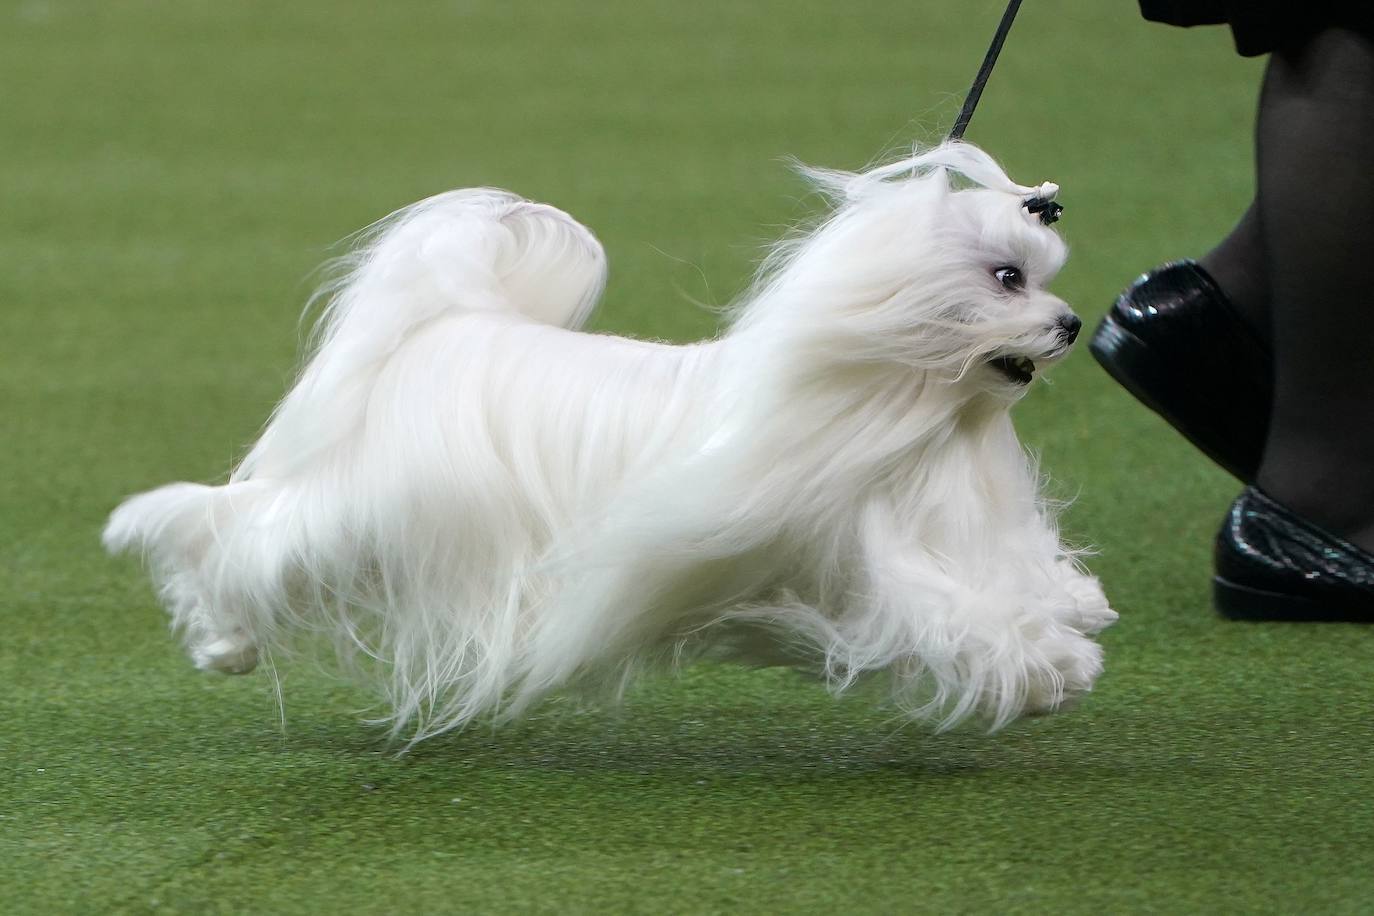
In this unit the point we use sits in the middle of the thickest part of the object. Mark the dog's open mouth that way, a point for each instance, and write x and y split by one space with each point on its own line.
1018 369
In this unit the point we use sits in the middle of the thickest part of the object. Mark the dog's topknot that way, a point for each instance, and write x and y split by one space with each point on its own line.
966 164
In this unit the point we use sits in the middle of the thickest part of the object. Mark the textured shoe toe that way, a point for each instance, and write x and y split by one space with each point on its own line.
1271 564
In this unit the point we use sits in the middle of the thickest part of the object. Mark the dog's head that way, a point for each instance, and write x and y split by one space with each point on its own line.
1004 322
938 262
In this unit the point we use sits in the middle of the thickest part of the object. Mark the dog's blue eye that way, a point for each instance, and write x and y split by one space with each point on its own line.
1010 278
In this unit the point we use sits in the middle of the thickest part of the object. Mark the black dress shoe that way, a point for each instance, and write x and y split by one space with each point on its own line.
1273 565
1176 342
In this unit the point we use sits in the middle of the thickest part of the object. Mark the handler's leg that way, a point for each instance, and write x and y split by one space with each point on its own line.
1316 216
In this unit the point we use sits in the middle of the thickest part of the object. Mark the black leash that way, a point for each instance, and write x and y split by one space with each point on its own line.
985 71
1047 210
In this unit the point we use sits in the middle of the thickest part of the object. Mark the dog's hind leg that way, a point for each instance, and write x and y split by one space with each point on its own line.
216 556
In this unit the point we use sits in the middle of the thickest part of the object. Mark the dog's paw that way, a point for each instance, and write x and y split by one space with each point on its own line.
1090 611
232 654
1074 665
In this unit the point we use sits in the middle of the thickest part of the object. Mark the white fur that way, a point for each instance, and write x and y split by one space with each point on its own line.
492 504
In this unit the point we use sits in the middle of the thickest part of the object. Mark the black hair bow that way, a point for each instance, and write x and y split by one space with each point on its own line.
1048 210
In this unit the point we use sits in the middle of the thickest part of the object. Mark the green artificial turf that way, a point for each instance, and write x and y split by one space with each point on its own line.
170 173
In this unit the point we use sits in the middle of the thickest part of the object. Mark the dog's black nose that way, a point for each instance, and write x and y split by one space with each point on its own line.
1069 328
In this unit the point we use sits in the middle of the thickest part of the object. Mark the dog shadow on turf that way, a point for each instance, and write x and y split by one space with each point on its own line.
722 725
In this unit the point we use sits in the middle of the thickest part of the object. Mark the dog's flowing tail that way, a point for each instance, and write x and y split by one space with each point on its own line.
462 251
224 557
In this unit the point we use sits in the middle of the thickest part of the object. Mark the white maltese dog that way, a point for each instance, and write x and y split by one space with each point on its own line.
490 503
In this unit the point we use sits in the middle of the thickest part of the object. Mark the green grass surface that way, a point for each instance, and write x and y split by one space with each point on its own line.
170 173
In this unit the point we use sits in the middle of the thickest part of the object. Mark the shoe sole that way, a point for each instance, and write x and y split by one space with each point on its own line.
1242 602
1125 357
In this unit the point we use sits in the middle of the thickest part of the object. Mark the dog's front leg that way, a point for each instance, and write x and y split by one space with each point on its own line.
1091 611
996 634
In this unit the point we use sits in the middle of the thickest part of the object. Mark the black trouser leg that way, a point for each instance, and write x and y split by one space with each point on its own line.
1240 267
1315 143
